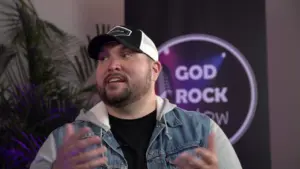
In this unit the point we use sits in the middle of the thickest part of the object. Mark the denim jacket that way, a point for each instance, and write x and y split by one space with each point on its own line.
177 130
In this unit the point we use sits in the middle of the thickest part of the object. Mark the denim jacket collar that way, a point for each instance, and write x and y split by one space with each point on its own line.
98 114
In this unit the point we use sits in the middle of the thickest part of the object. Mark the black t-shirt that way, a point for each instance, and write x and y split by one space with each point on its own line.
133 137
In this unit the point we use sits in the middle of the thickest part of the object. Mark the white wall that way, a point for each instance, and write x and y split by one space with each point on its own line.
283 31
80 16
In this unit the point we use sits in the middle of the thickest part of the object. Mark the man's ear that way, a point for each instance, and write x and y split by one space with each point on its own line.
156 69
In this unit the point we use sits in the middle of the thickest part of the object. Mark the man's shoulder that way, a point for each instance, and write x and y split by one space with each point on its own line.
189 117
190 114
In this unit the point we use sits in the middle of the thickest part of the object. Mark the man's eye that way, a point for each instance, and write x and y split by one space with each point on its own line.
127 54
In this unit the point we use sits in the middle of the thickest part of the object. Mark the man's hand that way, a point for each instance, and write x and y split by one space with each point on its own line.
72 154
208 157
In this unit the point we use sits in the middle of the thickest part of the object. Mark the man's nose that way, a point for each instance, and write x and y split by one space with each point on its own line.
114 64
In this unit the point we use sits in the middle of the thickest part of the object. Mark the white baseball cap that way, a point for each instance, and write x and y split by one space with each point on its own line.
131 38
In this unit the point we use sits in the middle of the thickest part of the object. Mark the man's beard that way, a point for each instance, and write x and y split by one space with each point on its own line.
129 94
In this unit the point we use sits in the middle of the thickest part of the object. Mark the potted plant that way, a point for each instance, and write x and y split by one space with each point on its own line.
43 81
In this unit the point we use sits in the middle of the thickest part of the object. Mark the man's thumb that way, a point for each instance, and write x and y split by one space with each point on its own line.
211 142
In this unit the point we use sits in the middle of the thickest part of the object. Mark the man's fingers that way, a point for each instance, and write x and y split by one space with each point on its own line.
77 136
69 131
181 160
93 163
80 145
208 156
83 157
195 162
211 142
186 160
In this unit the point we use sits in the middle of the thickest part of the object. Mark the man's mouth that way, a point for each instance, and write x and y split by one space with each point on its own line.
115 79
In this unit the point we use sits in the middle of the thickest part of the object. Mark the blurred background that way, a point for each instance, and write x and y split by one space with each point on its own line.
46 76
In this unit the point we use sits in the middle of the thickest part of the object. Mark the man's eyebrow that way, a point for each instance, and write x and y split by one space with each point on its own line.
126 49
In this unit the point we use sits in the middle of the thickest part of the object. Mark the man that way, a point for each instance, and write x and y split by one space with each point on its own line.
132 127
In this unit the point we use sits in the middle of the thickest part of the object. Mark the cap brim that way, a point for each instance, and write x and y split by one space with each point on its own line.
97 43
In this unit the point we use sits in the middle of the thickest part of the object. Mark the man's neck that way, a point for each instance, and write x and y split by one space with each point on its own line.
138 109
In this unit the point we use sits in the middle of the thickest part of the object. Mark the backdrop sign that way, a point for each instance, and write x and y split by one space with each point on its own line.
214 61
208 74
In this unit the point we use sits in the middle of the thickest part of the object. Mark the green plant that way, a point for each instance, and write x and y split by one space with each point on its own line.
43 77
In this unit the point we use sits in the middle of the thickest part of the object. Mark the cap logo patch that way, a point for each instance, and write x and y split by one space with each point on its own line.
120 31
